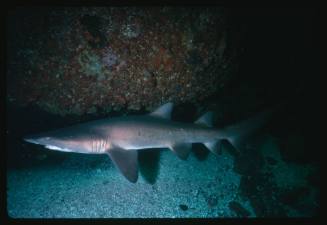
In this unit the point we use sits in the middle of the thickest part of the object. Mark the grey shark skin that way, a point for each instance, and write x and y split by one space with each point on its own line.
120 137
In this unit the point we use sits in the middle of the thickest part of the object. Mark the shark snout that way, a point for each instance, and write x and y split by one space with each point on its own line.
30 140
36 139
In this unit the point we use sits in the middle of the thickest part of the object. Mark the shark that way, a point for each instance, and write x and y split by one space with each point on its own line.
121 137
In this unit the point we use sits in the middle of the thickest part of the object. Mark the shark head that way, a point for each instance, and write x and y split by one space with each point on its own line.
49 142
68 141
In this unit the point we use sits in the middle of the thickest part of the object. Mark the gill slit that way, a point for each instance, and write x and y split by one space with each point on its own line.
102 144
92 148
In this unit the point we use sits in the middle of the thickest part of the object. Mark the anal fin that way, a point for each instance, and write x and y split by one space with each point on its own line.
182 150
125 161
214 147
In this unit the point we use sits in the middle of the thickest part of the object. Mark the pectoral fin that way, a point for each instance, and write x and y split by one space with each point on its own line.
125 161
182 150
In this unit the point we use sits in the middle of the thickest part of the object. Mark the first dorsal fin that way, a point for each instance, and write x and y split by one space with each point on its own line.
205 119
163 111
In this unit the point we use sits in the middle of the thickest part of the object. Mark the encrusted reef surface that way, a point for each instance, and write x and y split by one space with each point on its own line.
74 61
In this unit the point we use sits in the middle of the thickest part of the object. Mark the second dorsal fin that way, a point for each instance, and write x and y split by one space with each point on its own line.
163 111
206 119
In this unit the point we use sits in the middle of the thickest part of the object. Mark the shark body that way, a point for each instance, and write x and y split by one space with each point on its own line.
121 137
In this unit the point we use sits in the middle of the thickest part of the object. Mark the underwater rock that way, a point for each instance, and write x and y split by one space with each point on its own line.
261 192
90 63
92 25
194 58
105 182
238 209
244 162
212 201
183 207
141 57
293 196
92 110
271 161
131 30
110 58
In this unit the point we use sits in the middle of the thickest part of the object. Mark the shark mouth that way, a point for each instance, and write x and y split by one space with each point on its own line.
52 147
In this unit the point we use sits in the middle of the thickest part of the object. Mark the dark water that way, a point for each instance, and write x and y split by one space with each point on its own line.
278 176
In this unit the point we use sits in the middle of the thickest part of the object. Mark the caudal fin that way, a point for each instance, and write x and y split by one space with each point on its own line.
238 134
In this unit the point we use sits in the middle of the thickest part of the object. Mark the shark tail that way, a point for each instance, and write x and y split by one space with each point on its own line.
236 134
239 133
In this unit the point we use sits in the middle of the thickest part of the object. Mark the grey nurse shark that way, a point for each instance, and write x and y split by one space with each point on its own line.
121 137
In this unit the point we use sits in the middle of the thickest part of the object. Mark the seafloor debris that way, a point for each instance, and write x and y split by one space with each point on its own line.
183 207
238 209
86 60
